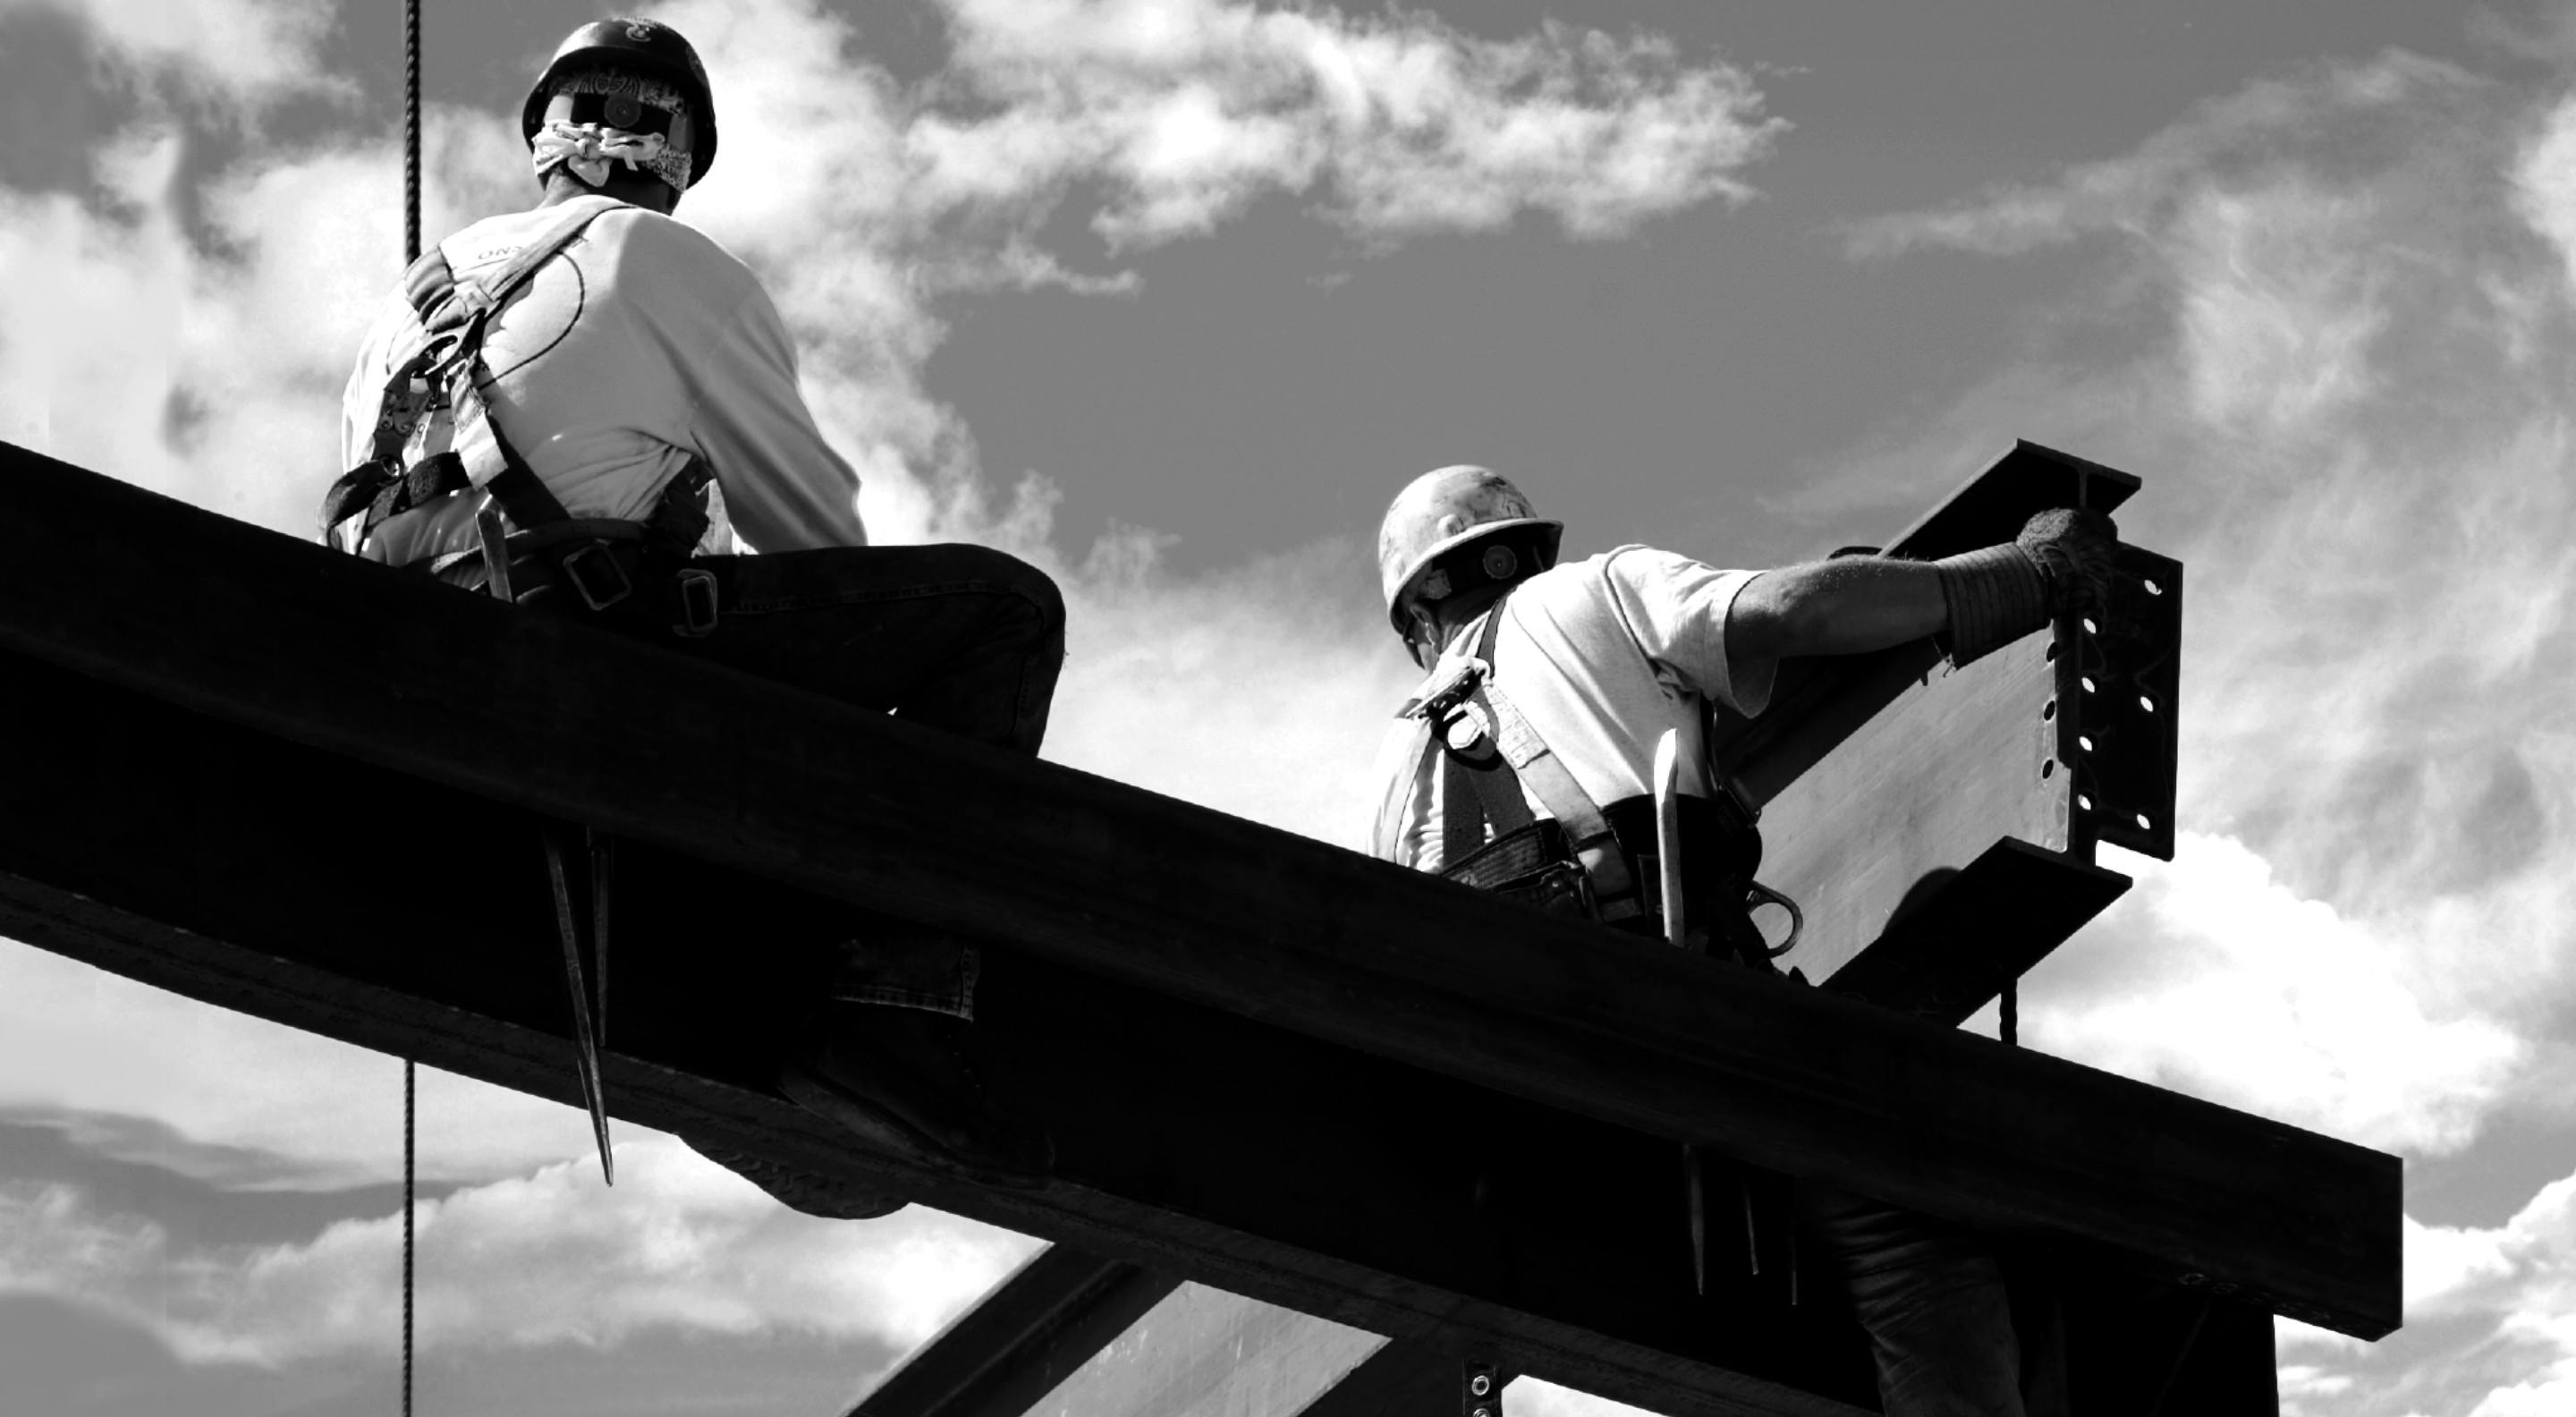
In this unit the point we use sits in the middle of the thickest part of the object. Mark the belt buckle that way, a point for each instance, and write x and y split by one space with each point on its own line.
595 560
698 607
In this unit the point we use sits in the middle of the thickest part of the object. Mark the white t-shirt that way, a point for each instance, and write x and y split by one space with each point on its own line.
641 343
1601 656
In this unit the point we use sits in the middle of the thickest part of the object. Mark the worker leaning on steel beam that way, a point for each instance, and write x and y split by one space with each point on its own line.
1522 765
566 404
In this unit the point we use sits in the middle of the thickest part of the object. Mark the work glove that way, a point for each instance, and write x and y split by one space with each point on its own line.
2062 562
2077 551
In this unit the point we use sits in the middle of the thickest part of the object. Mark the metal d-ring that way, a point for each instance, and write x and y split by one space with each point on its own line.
1758 894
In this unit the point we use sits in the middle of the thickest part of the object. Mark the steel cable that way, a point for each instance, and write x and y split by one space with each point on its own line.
411 253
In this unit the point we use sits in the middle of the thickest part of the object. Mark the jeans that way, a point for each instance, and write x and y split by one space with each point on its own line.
959 638
1932 1299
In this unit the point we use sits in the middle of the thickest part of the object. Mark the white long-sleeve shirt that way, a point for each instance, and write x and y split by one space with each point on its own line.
641 344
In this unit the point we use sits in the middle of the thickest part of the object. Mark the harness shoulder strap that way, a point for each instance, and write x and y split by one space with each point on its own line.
444 302
453 314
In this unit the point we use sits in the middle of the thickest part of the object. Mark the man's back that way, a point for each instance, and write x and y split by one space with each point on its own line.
642 344
1601 656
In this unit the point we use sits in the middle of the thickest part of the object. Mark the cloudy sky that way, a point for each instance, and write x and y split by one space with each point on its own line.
1169 295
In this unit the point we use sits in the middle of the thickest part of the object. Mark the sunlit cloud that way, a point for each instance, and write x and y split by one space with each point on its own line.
2234 988
1397 124
248 1104
678 1245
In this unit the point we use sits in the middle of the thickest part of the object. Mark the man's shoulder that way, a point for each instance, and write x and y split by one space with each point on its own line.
631 236
1570 583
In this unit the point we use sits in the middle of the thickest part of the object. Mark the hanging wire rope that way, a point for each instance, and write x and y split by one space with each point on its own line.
411 131
411 253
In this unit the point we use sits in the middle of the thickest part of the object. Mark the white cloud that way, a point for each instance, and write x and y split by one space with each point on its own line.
1194 106
679 1244
268 1106
2545 185
2279 306
228 51
2239 990
2245 138
2446 1266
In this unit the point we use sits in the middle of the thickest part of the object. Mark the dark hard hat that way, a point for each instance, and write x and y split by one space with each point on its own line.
639 47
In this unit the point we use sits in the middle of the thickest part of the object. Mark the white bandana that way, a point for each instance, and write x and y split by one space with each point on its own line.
588 149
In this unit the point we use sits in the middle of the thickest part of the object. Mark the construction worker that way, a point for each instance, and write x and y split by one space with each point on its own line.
1522 765
567 406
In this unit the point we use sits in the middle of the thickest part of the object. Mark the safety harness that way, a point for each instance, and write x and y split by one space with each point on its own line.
435 437
1583 857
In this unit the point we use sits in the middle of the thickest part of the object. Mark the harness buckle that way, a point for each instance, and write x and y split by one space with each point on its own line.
698 606
595 575
1438 705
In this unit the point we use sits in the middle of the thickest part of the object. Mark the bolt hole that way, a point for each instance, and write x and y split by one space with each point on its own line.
2048 769
2048 711
2052 650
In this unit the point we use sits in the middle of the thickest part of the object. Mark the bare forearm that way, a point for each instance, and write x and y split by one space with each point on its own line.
1848 605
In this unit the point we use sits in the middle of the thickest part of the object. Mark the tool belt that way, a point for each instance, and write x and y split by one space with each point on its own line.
1537 866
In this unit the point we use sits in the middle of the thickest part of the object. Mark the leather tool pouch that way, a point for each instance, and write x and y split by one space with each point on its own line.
1533 866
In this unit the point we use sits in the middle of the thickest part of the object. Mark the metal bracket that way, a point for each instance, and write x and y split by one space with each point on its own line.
2118 678
1480 1389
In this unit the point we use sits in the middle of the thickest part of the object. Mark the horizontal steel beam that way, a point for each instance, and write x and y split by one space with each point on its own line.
1140 892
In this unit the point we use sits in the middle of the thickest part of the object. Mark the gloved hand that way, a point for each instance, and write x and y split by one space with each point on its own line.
2077 551
2062 561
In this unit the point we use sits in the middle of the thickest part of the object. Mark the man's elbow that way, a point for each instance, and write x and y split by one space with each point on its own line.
1772 618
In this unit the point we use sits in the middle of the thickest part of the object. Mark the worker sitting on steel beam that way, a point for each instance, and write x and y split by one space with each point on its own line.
559 405
1522 765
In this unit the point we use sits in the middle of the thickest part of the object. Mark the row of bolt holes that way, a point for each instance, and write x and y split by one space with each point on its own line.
2048 768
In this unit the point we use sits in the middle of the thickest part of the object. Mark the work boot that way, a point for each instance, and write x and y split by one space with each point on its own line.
912 1077
826 1197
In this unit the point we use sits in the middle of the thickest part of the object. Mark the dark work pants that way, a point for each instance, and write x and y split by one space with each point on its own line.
1933 1301
964 639
959 638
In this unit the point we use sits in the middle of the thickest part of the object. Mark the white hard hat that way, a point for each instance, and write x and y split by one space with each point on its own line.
1440 511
